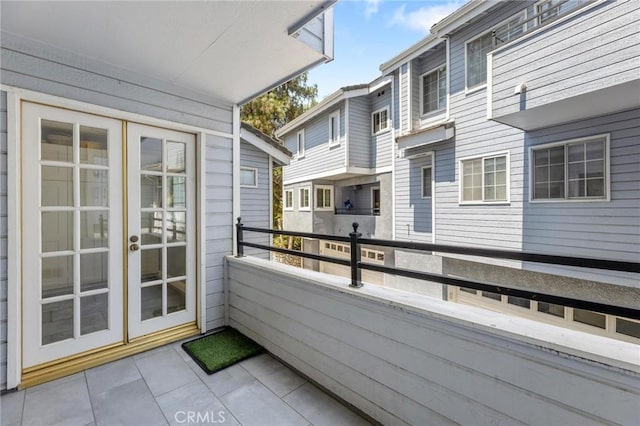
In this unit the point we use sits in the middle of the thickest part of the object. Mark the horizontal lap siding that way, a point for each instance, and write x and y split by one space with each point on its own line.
318 157
219 223
3 240
607 229
254 202
404 99
602 43
411 368
381 143
359 132
413 213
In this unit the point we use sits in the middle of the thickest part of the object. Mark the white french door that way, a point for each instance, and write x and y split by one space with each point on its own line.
78 263
161 210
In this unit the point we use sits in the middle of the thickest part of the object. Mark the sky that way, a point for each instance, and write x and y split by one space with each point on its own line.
370 32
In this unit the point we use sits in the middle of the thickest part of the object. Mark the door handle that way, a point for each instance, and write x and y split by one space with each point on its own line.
133 247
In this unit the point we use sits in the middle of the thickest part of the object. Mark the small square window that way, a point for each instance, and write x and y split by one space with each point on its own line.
248 177
324 197
305 201
334 128
288 199
426 182
380 121
300 144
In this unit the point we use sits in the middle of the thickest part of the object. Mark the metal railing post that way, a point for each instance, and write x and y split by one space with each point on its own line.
356 273
239 246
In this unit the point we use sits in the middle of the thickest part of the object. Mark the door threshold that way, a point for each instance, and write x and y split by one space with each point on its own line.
79 362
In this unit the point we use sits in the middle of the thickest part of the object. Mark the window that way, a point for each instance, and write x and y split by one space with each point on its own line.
334 128
477 49
426 182
551 9
434 90
300 144
380 120
485 179
288 199
375 201
305 202
248 177
324 197
571 170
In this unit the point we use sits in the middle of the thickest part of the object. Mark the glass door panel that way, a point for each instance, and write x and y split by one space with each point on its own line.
72 300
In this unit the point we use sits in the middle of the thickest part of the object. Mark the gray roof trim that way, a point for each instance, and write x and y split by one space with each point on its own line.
265 143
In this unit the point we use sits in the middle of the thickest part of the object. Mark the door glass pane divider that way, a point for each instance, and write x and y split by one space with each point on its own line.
93 208
88 166
95 292
177 244
56 163
175 174
151 246
94 250
165 301
151 173
151 210
151 283
56 298
57 253
174 279
57 209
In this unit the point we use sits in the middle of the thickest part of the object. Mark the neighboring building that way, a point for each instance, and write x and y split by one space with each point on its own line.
121 163
341 172
516 126
259 154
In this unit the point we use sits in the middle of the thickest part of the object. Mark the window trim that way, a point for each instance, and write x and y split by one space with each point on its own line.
537 22
440 111
373 208
324 208
388 121
300 135
336 141
300 198
255 174
607 174
473 89
422 182
284 204
506 154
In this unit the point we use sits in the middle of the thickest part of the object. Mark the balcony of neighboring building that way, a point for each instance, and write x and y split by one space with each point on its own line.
577 59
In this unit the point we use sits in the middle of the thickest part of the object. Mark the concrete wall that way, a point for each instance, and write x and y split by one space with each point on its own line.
407 359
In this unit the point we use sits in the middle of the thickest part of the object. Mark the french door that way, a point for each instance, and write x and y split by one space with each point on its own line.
100 267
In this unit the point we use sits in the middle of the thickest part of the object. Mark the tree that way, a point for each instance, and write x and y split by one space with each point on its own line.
274 109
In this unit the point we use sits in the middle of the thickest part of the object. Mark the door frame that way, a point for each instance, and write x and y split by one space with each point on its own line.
15 97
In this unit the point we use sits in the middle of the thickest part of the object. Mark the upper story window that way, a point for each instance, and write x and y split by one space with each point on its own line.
485 179
288 199
334 128
305 199
324 197
248 177
476 49
548 10
571 170
426 182
380 120
300 144
433 86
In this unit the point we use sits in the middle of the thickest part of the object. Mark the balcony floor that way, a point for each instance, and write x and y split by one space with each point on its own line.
164 386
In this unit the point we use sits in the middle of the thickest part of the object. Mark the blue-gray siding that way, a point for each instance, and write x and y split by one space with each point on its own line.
403 94
359 132
381 143
3 240
413 212
254 202
602 43
319 157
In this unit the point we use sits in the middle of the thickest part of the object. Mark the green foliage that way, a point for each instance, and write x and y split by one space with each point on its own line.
270 112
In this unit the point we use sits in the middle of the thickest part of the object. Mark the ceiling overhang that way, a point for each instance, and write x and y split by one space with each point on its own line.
226 50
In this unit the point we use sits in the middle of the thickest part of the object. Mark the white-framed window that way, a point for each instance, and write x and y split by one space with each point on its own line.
305 199
324 197
426 180
549 10
573 170
485 179
477 48
375 201
334 128
288 199
433 90
380 121
300 144
248 177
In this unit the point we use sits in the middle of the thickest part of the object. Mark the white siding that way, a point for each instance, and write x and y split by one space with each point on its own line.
3 240
602 43
254 202
431 365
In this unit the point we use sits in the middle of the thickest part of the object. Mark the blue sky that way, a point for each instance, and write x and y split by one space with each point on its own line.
370 32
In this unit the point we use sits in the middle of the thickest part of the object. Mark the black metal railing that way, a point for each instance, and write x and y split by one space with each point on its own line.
358 212
356 265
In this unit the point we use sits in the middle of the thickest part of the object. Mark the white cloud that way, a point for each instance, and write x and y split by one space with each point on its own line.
371 8
423 18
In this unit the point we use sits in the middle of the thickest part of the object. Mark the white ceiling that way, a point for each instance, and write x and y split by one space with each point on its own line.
231 50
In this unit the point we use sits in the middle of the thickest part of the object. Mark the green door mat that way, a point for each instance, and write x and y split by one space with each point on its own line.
221 350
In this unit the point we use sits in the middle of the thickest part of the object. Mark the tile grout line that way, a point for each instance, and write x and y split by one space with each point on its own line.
93 412
150 392
24 403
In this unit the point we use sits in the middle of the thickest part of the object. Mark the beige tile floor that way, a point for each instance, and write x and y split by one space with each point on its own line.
165 387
